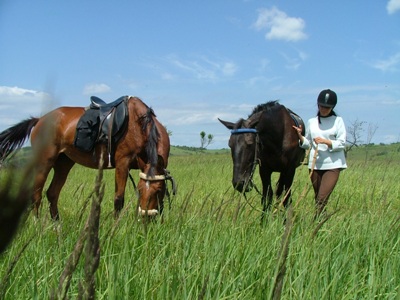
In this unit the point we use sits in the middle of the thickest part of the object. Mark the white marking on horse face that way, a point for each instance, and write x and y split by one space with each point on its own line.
147 184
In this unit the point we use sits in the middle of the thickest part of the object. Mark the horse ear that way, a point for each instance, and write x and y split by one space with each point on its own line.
227 124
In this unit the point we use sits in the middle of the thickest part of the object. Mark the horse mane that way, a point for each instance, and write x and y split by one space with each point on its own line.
265 106
151 147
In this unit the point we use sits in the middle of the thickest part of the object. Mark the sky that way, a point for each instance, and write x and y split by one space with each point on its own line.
196 61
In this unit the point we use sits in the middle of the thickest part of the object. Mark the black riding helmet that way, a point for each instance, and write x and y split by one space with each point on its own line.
327 98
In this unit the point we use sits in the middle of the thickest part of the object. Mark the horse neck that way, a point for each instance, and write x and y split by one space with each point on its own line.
274 122
142 121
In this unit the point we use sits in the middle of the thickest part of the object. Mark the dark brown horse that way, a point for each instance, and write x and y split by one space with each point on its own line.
268 139
143 144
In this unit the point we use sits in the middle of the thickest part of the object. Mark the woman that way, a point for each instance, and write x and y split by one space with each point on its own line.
326 135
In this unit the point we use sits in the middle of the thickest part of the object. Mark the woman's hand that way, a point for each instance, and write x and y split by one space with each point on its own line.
299 130
320 140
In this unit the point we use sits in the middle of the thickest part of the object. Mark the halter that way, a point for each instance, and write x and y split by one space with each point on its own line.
167 176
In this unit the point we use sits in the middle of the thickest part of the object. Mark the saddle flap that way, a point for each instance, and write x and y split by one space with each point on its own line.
114 121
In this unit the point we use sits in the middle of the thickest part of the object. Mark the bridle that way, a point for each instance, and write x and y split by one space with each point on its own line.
167 177
256 159
164 177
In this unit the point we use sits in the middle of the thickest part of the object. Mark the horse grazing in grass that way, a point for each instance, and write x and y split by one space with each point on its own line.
266 139
121 135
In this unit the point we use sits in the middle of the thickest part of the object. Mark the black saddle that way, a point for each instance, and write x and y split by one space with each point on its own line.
101 123
297 120
97 103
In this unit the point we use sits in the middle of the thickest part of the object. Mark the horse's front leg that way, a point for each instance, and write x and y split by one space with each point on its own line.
267 193
284 187
266 199
121 176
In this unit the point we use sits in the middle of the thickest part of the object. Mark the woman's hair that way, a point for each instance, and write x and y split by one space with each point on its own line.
332 113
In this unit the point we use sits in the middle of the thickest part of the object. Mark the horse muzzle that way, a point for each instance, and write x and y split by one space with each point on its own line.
242 186
147 212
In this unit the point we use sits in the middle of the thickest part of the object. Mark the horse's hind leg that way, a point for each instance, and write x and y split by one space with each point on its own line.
42 171
62 166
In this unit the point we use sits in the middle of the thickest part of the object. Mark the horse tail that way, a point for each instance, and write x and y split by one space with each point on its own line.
152 140
14 137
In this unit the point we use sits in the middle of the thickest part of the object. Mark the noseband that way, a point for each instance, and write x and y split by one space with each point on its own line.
166 177
256 159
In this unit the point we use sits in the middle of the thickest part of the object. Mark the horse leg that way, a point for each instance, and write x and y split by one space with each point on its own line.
121 176
284 185
61 168
40 180
267 193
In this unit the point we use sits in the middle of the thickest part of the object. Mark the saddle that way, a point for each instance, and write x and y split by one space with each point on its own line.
297 121
101 123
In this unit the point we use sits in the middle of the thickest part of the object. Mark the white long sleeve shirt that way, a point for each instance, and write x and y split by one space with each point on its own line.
331 128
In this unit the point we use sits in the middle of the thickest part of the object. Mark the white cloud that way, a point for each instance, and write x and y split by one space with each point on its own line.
167 76
18 92
393 6
204 67
96 88
390 64
18 103
279 25
229 68
293 63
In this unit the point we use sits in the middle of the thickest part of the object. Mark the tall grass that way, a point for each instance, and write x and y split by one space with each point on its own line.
212 244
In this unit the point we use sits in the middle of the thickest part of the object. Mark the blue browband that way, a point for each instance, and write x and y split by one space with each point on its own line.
243 130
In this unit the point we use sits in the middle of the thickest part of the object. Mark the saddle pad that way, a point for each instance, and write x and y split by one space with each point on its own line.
87 131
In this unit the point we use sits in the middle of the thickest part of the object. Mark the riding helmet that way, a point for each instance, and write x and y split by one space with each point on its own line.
327 98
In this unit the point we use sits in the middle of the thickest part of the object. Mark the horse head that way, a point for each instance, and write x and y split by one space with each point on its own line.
243 143
151 189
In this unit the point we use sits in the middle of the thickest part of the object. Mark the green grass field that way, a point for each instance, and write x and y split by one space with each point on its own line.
212 245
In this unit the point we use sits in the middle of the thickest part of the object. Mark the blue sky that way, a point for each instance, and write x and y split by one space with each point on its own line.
194 62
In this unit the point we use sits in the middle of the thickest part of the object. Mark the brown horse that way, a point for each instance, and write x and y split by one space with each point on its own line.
268 139
143 144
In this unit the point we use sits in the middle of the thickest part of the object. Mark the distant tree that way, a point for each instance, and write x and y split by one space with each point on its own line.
169 132
370 134
354 133
205 139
